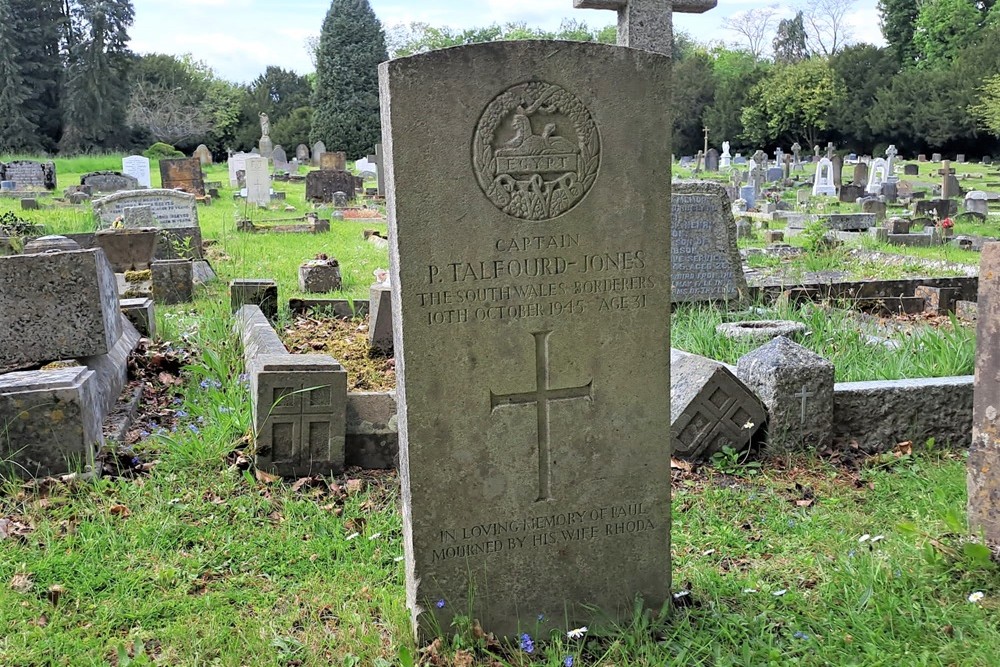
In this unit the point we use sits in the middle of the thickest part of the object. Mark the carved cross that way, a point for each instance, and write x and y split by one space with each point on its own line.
804 395
541 397
705 130
647 24
946 173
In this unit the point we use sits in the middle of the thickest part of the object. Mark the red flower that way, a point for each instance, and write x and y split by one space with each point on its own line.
947 223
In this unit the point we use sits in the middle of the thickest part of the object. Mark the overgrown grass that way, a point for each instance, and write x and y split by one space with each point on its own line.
859 350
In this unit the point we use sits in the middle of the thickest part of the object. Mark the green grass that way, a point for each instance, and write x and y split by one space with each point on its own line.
836 335
202 564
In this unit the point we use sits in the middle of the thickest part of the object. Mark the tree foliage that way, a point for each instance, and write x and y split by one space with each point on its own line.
17 132
408 39
346 103
862 70
987 109
943 28
899 23
790 41
793 103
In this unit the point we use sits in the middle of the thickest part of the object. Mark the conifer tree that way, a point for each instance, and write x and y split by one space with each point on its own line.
346 104
39 26
17 132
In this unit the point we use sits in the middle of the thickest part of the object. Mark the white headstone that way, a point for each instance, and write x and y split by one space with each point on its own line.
237 162
823 183
258 181
877 175
137 167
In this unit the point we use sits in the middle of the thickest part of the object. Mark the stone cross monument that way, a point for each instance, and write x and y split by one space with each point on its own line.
647 24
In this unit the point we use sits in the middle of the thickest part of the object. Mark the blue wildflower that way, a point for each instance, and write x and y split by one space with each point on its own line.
181 413
541 617
568 662
527 644
850 554
194 429
135 462
201 420
801 635
440 604
224 410
143 434
205 384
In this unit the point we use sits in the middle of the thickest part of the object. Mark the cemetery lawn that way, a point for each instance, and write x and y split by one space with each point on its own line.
201 561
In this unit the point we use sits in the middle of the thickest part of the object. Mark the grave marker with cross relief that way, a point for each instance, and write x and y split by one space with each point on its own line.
533 445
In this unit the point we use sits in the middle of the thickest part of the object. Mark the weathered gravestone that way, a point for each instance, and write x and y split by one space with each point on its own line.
823 180
109 181
984 457
323 184
333 161
302 154
705 263
317 152
29 175
911 170
173 211
280 159
203 154
712 160
137 166
237 163
559 153
860 174
183 174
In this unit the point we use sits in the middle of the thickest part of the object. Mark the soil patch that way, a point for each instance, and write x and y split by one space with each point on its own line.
347 342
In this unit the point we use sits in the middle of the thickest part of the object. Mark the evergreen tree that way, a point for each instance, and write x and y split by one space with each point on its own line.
95 97
39 26
17 132
944 27
790 41
899 23
346 104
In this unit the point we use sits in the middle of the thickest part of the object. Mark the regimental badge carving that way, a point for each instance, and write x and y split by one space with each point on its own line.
536 151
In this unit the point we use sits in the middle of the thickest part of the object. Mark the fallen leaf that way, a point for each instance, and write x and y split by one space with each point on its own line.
266 477
806 502
904 448
463 659
169 380
13 529
21 583
121 511
354 486
680 465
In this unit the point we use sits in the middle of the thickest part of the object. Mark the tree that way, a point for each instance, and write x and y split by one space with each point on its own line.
753 26
694 91
346 103
943 28
38 26
95 100
862 70
735 73
17 132
919 109
166 101
793 103
405 40
790 41
899 23
987 109
827 23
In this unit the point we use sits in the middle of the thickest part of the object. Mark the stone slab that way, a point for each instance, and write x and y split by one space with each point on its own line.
140 312
171 208
508 304
705 263
54 306
262 293
50 420
111 369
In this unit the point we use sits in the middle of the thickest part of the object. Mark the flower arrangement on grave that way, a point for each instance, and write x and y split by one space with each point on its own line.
947 227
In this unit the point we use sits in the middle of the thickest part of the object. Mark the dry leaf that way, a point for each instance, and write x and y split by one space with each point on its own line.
805 502
266 477
120 510
168 379
21 583
463 659
904 448
54 593
354 487
681 465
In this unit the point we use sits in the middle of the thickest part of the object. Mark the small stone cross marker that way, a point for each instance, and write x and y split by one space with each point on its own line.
946 171
804 394
541 397
647 24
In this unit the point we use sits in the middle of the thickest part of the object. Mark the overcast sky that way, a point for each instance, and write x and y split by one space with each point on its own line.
239 38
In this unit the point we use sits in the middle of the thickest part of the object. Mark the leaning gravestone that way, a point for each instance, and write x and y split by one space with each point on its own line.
109 181
550 244
183 174
137 166
29 175
984 456
173 211
705 263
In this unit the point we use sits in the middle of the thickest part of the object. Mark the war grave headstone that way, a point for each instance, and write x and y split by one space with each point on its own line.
109 181
534 291
29 175
302 154
317 153
183 174
935 157
823 180
258 190
705 262
322 185
877 176
949 184
983 479
137 166
838 171
203 154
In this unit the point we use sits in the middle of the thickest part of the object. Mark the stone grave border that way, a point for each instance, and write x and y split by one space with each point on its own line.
302 225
